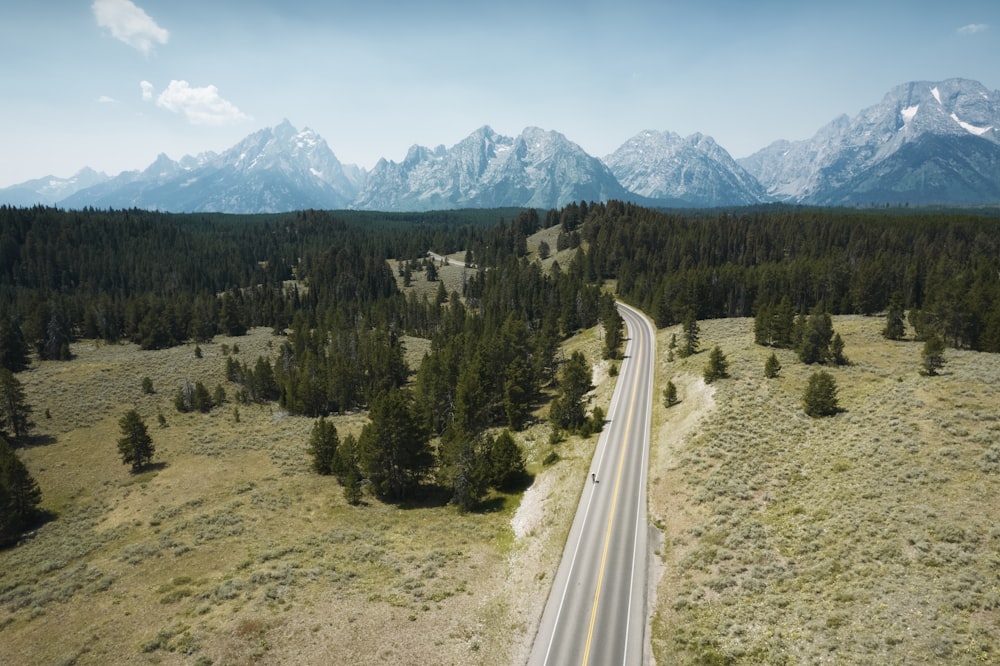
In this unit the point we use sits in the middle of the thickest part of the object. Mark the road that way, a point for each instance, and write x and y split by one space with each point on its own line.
440 257
596 611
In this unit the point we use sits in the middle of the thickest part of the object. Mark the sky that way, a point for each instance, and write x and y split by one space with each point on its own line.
111 84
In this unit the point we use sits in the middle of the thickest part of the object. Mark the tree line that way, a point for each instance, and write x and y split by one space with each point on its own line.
942 267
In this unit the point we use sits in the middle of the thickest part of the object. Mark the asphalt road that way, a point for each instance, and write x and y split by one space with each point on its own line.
596 611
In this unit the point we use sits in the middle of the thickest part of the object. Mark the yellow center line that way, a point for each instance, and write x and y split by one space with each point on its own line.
611 518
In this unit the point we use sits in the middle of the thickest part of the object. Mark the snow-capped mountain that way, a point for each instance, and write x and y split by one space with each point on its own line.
691 171
273 170
485 170
924 143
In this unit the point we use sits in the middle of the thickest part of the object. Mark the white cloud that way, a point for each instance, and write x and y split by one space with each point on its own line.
104 99
129 24
973 28
201 106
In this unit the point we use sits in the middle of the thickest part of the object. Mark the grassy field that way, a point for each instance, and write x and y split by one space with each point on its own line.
229 550
865 538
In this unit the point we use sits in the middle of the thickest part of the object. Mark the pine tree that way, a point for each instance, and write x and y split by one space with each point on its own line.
568 411
670 394
894 326
469 475
820 398
19 494
837 350
13 346
816 338
506 461
15 413
135 445
323 442
393 447
614 327
691 329
717 366
772 367
932 355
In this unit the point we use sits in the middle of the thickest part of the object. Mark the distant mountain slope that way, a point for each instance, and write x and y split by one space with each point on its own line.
694 171
50 189
272 170
487 170
924 143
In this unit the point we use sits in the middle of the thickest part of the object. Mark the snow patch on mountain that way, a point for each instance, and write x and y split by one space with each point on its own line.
911 147
972 129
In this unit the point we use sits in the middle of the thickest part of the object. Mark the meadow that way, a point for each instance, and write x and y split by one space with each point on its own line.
867 537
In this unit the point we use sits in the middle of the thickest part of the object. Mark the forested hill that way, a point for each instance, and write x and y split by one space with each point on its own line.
944 266
157 278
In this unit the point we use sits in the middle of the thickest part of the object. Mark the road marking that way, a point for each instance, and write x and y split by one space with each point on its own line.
586 515
611 517
640 510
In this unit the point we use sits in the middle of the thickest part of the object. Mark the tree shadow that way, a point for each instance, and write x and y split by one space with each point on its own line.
39 519
427 496
35 441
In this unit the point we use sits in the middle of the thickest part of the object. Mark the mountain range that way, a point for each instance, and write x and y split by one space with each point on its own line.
924 143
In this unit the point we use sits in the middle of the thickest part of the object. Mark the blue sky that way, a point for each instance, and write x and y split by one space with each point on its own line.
112 83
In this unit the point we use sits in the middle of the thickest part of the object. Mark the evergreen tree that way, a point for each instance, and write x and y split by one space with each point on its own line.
352 486
232 317
393 447
19 494
13 346
15 413
470 476
820 398
932 355
689 345
783 324
894 326
670 394
837 350
717 366
544 251
816 338
772 367
202 399
506 461
135 445
614 327
568 410
323 442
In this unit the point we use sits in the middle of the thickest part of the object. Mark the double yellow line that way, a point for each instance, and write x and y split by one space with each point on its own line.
614 504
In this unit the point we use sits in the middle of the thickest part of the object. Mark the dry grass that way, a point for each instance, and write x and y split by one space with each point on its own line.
859 539
229 550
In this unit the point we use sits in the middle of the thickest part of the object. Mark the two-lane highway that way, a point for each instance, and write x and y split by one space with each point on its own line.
596 611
